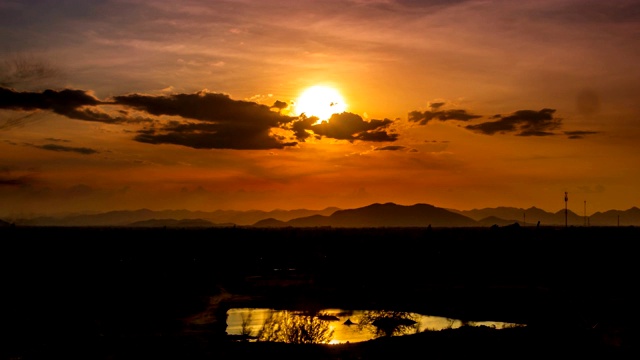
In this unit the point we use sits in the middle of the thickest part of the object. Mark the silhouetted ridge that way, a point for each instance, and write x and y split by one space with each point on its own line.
385 215
378 215
176 223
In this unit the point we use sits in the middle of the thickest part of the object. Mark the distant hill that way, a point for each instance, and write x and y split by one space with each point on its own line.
532 215
184 223
493 220
616 217
374 215
127 217
380 215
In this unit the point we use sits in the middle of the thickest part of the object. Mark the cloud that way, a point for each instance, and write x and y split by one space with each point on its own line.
74 104
280 105
211 120
55 147
521 122
351 127
206 106
423 118
213 136
301 126
390 148
221 123
8 178
61 102
580 134
13 181
64 102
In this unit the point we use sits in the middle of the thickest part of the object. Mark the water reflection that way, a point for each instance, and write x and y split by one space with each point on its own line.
335 326
295 328
390 323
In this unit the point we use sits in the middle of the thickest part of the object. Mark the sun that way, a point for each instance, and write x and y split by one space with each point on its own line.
321 101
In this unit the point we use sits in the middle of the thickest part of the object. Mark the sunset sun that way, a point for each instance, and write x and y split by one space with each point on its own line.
320 101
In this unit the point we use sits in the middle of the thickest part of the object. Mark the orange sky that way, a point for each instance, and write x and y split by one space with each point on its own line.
116 105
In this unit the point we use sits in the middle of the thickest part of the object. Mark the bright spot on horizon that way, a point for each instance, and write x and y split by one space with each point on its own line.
321 101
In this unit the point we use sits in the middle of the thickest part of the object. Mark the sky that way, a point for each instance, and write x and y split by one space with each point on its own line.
128 104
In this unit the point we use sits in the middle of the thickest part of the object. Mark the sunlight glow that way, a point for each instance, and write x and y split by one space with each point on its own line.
321 101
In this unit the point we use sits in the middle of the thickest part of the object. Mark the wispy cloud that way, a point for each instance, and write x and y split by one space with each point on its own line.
423 118
579 134
522 123
391 148
56 147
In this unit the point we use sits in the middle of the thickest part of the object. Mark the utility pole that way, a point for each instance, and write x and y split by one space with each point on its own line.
566 199
585 213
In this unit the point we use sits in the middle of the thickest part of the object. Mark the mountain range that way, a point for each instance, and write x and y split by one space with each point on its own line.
374 215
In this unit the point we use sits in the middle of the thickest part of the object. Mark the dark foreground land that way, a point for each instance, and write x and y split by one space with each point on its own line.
117 293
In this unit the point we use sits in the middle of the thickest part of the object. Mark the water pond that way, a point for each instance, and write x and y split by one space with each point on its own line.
336 326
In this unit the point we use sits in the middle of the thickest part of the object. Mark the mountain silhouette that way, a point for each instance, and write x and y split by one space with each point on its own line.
127 217
185 223
380 215
616 217
374 215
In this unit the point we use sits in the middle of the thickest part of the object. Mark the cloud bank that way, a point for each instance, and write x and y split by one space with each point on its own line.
201 120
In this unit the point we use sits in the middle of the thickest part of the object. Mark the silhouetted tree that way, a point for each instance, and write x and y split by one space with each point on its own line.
390 323
295 329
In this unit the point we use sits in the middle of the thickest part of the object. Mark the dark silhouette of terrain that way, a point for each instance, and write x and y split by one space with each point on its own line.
129 293
378 215
184 223
126 217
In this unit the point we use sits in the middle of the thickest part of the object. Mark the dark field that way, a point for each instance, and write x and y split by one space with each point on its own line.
117 293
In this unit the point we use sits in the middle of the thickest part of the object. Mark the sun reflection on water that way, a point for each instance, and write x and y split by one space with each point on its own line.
337 326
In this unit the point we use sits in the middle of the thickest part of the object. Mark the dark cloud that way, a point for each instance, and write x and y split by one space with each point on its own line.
7 178
390 148
74 104
70 103
205 106
280 105
79 150
61 102
443 115
579 134
223 123
13 181
521 122
88 114
211 120
301 126
213 136
351 127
